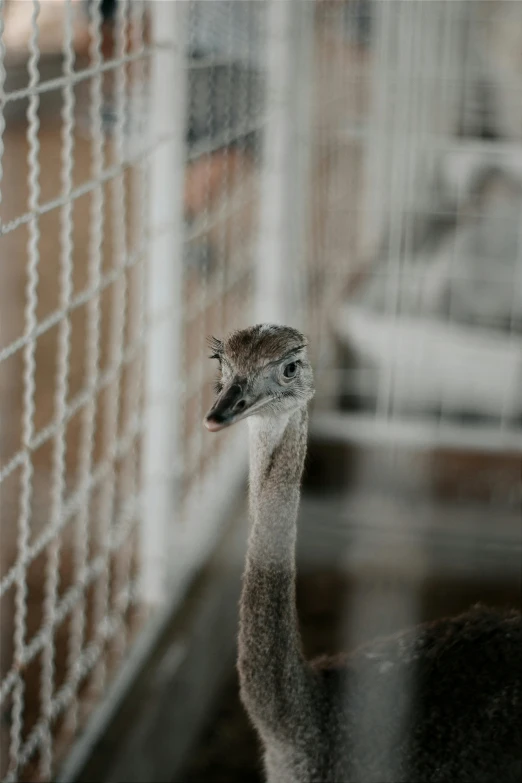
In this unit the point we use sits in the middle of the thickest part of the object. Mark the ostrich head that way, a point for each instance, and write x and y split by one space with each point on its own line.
263 370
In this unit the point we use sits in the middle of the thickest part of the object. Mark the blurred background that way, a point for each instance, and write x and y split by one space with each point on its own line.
172 170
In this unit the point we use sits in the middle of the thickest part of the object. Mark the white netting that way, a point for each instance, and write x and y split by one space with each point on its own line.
106 267
421 204
176 170
71 364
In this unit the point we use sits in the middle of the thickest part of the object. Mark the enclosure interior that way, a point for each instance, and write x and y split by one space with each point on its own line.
171 171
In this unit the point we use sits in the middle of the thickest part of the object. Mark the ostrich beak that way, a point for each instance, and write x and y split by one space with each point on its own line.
227 408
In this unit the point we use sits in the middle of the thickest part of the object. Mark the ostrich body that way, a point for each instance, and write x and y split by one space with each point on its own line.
351 719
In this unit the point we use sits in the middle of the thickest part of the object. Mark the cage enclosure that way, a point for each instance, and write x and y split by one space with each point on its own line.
175 170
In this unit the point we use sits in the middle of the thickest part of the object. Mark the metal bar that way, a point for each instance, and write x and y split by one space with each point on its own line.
28 403
193 450
2 90
414 432
76 77
161 446
132 392
401 20
92 351
302 182
59 477
119 304
274 294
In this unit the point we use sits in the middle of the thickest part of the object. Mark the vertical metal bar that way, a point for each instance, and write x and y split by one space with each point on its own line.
401 129
377 143
62 383
161 446
2 90
31 293
332 55
199 318
118 309
447 77
133 386
225 250
511 406
416 113
92 358
114 497
256 35
399 24
302 201
321 193
240 233
275 299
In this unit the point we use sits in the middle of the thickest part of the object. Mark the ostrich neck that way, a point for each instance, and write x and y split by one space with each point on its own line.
270 661
277 453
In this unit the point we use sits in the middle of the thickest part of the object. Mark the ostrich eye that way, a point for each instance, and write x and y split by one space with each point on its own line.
290 370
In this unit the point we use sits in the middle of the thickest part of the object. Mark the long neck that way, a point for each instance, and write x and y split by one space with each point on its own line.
272 669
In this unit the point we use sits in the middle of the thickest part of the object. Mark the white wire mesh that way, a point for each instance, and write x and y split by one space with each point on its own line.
71 564
93 329
25 500
389 125
225 118
114 272
431 319
72 449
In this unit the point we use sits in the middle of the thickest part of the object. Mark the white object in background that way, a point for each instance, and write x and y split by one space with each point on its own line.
471 370
465 159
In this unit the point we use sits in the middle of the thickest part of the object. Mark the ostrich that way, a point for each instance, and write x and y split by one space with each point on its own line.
464 717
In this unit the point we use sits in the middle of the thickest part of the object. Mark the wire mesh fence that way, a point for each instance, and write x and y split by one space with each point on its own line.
131 180
73 225
171 171
428 245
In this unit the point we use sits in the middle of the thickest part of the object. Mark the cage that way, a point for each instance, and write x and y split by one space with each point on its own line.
174 170
435 324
